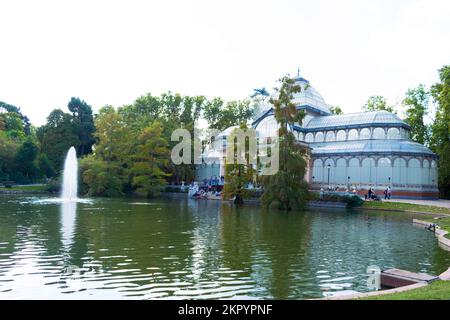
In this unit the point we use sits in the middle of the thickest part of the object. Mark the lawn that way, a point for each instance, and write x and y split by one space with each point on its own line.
438 290
405 207
26 188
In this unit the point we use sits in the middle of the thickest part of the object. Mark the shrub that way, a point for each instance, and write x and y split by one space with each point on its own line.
352 200
53 186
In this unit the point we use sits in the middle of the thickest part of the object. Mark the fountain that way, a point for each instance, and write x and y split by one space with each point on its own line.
70 177
69 193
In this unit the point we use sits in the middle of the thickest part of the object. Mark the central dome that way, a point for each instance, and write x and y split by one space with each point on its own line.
310 98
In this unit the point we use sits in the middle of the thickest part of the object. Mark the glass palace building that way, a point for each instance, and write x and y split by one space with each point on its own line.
354 151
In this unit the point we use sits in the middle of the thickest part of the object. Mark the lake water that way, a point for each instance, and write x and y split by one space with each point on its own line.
188 249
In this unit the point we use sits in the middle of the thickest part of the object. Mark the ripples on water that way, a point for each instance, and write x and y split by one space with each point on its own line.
119 249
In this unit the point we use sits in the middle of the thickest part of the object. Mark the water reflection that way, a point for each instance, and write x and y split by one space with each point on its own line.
198 249
68 218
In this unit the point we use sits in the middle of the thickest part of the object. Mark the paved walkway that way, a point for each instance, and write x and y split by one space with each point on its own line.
435 203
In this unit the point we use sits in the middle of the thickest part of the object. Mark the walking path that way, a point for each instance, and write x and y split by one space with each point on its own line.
435 203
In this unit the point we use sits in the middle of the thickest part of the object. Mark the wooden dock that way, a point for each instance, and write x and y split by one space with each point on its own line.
396 278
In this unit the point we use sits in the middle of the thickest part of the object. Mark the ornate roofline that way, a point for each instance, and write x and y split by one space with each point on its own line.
353 126
373 153
269 112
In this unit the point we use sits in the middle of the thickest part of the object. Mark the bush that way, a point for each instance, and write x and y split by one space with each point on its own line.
53 186
352 200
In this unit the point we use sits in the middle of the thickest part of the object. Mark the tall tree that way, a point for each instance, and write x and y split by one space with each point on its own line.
238 175
152 154
221 115
25 166
416 102
57 136
8 108
440 140
378 103
84 124
287 188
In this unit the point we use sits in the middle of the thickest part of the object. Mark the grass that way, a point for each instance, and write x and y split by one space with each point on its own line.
405 207
437 290
26 188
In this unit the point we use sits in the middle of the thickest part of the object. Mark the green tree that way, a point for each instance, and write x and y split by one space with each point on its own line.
440 140
336 110
57 136
84 124
26 126
8 150
45 167
221 115
25 165
152 155
287 188
378 103
416 102
238 175
101 178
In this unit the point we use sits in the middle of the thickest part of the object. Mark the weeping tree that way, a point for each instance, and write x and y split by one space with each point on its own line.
287 189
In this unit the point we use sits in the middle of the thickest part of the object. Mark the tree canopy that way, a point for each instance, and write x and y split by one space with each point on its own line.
378 103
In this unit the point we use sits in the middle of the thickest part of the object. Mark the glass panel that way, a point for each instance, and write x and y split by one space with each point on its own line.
340 135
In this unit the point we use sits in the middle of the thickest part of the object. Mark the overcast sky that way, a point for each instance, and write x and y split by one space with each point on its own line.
110 52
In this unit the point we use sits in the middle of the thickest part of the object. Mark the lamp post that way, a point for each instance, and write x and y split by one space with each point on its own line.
389 181
329 168
348 183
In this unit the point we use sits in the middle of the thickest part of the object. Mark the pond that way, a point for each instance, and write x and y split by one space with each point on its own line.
188 249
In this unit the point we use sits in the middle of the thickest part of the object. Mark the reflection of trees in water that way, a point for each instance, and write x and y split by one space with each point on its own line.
271 246
144 236
28 223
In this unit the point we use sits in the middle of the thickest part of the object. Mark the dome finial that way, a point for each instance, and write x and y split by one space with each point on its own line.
298 71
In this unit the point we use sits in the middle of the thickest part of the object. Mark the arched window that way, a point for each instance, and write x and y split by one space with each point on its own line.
353 134
354 171
267 127
318 171
309 137
413 172
393 133
301 136
399 171
384 171
319 137
340 135
378 133
329 171
433 173
364 134
426 172
330 136
341 171
368 171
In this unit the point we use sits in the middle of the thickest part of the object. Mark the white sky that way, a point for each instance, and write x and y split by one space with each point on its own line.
110 52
